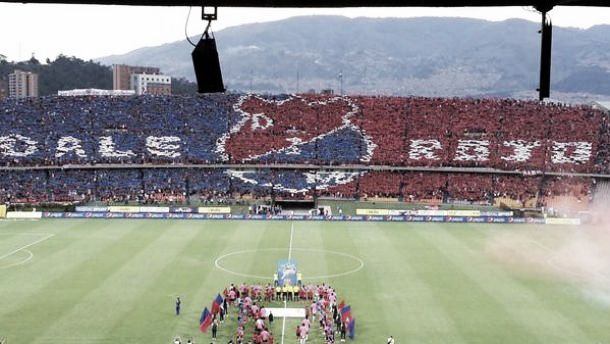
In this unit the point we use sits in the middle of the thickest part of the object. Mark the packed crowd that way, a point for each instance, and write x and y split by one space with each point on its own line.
217 186
499 133
164 131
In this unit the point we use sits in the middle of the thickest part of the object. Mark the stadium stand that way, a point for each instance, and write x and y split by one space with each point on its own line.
104 148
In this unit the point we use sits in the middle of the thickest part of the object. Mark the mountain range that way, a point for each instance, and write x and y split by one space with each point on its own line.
406 56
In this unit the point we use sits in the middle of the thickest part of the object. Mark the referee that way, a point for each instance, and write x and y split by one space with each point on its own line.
178 303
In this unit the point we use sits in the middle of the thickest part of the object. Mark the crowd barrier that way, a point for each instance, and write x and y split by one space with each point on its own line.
356 218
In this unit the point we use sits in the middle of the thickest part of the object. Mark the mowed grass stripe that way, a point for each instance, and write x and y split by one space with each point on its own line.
234 236
154 318
55 261
536 322
476 313
122 240
109 299
408 302
309 235
520 298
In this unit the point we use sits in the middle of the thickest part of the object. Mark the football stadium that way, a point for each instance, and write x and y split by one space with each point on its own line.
237 217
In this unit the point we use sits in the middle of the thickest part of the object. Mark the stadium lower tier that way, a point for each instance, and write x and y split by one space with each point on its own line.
178 185
312 129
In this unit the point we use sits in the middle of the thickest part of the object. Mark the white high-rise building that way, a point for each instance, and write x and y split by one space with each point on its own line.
22 84
155 84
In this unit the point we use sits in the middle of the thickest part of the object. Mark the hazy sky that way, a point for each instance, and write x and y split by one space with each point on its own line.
93 31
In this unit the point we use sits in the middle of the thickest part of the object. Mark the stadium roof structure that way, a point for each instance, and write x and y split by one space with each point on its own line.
542 5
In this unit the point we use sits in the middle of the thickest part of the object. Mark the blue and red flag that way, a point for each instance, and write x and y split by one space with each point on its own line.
217 304
205 320
346 313
351 329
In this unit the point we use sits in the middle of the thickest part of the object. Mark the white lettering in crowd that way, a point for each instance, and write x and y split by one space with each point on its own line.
472 150
256 121
68 144
580 155
8 145
424 149
108 149
522 150
165 146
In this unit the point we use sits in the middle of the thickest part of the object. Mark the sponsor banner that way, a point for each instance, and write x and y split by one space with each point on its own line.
115 215
497 213
123 209
95 215
431 212
53 215
92 209
416 218
154 209
75 215
409 218
561 221
472 213
476 219
24 215
492 219
195 216
375 218
372 212
214 210
181 210
435 219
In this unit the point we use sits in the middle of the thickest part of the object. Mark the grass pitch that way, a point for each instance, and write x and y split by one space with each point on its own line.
115 281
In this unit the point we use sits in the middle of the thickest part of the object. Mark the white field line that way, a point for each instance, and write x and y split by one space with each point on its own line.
30 256
290 245
26 246
289 257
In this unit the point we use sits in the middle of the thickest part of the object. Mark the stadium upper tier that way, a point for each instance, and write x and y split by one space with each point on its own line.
313 129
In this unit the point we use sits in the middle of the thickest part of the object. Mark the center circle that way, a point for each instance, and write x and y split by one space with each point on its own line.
359 263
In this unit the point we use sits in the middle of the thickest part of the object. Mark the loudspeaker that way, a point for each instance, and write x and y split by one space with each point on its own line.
545 60
207 66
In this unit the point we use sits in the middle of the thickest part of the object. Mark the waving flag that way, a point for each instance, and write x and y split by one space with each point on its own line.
205 320
346 313
351 329
217 304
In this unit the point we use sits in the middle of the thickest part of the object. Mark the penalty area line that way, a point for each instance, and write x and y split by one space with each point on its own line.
26 246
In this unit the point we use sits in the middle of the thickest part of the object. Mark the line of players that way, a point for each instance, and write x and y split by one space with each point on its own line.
323 307
277 293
